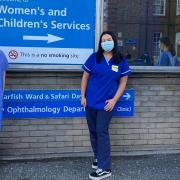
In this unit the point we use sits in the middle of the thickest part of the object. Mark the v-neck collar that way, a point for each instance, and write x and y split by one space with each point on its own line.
108 61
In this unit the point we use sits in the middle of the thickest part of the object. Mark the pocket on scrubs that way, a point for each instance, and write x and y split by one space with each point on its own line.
115 74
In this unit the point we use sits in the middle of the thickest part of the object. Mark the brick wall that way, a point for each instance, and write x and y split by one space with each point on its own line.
154 128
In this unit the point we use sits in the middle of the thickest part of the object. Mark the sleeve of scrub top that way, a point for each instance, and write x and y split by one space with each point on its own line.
125 69
88 65
4 61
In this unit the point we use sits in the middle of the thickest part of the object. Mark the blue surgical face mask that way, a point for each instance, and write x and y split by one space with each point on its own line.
107 45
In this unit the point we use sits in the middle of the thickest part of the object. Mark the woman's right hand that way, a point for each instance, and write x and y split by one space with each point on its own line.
83 101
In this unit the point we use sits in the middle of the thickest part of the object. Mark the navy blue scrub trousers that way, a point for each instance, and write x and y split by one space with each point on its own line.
98 123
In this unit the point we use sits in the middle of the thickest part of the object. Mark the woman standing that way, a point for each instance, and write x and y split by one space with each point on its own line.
103 82
3 68
167 54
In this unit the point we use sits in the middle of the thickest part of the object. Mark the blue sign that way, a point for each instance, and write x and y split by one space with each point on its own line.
46 31
56 104
131 42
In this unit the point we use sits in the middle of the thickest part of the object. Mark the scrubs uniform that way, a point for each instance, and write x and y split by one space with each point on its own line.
165 59
102 85
3 68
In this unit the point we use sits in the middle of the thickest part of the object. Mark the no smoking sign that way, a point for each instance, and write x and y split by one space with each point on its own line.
13 54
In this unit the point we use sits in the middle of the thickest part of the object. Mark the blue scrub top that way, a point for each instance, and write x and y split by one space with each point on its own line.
104 80
165 59
3 68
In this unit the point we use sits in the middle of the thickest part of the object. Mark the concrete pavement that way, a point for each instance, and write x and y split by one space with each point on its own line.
151 167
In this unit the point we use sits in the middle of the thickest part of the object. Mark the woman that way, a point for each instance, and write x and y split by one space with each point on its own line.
167 53
3 68
103 82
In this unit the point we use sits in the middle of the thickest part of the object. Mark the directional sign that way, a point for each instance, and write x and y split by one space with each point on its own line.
49 38
56 104
46 31
127 96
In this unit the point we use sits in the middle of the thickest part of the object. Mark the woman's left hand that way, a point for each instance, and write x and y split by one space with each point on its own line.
110 105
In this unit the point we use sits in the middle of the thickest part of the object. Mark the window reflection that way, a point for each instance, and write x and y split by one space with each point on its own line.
140 24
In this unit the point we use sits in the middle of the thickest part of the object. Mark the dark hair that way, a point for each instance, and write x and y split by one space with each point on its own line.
117 57
165 40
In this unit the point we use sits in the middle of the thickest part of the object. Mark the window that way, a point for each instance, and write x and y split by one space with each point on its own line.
156 38
159 7
139 32
178 44
178 7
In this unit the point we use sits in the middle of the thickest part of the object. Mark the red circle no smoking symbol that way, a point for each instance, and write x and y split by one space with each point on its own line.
13 54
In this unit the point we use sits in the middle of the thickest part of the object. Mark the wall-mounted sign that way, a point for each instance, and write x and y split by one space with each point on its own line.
46 31
55 104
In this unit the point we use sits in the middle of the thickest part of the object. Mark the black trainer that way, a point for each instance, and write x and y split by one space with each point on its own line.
100 174
94 164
